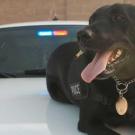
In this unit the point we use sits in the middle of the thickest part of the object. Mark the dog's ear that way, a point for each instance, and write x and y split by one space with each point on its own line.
119 16
123 13
118 13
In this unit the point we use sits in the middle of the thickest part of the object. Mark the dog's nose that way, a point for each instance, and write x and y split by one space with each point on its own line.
84 35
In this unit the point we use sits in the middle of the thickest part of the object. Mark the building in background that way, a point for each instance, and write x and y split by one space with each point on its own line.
12 11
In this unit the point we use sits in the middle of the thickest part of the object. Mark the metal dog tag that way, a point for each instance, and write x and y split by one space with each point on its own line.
121 106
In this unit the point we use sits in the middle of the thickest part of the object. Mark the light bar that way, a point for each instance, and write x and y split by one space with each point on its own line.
52 33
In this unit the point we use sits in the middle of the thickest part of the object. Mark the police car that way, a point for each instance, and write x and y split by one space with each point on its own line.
25 106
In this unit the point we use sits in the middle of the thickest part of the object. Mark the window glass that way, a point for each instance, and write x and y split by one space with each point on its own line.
24 51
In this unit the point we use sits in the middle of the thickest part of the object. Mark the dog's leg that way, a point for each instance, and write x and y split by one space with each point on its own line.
92 115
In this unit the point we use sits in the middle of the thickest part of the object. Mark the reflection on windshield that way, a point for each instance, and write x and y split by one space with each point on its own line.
23 53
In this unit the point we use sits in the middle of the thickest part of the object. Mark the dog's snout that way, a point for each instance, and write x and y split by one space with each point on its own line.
84 35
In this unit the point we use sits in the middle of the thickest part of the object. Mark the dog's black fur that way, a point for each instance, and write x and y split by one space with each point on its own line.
109 25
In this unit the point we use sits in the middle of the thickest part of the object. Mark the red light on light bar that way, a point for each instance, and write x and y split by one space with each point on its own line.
60 33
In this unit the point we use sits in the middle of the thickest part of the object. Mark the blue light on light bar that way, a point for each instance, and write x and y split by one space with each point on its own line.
45 33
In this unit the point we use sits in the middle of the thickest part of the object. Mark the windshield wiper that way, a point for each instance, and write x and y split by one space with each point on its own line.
26 73
7 75
35 72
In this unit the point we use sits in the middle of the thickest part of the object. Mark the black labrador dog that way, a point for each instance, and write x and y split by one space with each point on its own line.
100 79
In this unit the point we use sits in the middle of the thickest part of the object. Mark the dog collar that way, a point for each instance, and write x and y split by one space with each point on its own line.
122 87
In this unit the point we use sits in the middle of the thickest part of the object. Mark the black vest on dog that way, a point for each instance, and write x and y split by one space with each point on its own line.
63 74
65 84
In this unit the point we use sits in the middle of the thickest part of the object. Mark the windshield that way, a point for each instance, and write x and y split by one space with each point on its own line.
24 51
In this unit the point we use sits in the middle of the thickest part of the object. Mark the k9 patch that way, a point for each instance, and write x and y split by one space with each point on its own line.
77 92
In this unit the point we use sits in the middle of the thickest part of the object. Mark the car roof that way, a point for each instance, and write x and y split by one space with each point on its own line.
44 23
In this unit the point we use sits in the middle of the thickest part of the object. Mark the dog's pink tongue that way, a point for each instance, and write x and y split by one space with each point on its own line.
97 66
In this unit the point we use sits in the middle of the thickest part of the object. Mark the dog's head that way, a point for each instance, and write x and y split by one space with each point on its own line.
111 35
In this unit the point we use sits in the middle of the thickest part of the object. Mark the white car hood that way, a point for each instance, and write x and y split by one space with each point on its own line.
27 109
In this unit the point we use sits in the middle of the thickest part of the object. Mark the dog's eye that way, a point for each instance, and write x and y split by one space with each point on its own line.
118 18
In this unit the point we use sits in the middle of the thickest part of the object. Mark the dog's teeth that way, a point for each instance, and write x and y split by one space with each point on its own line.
108 62
119 52
113 59
117 56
